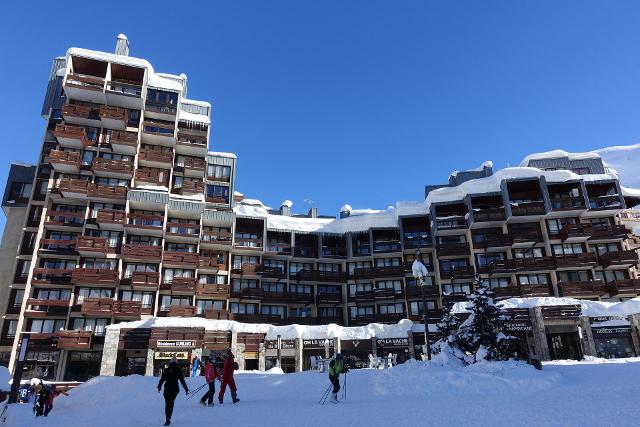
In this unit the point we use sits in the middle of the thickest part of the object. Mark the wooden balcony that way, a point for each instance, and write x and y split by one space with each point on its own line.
457 248
145 280
321 276
417 243
81 114
141 252
56 276
92 276
151 176
489 214
326 320
161 129
575 232
74 340
127 310
180 259
562 312
494 241
364 297
248 293
154 156
182 311
74 188
248 243
523 264
85 82
271 272
288 297
211 263
212 314
123 141
604 202
527 237
182 285
413 292
465 272
194 164
178 229
623 288
259 318
305 252
522 291
97 307
576 260
189 187
92 246
40 302
607 232
530 208
566 203
216 238
107 193
65 161
246 269
592 289
389 318
58 245
112 168
212 291
72 136
113 117
618 258
64 218
111 219
329 298
377 272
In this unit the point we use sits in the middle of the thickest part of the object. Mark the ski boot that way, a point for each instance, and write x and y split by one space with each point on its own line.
334 398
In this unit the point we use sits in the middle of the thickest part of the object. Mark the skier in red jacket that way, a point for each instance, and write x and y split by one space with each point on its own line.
210 374
230 365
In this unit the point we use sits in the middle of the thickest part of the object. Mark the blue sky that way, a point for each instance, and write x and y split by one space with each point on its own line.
360 102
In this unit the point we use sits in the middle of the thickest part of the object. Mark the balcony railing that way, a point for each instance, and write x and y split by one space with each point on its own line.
100 191
41 302
161 129
97 307
217 237
92 276
462 272
453 248
602 231
80 112
129 310
73 133
128 88
525 236
155 155
489 214
121 137
305 252
64 159
288 297
94 245
533 207
567 203
571 231
86 82
144 280
320 276
112 166
386 246
182 285
247 293
110 217
591 289
52 276
329 298
605 202
430 291
183 230
523 264
493 241
189 187
149 222
451 222
248 243
74 340
113 113
623 287
618 258
182 311
519 291
141 252
212 291
415 243
181 259
213 263
271 272
213 314
193 163
576 260
65 218
58 245
375 272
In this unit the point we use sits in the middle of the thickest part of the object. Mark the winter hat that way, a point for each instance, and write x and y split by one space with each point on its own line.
35 381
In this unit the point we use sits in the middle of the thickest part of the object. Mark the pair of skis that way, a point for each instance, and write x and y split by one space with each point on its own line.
325 396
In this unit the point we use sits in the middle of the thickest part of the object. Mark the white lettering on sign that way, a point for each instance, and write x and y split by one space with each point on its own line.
176 343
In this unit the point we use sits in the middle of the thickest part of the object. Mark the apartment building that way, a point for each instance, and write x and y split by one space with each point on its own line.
129 216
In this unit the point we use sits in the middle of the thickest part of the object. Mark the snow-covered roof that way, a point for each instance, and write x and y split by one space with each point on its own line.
194 102
487 164
398 330
221 154
624 161
555 154
589 308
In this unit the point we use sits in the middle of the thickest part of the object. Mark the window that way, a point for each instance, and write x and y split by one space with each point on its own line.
447 265
170 273
181 247
351 266
97 326
238 284
112 182
146 298
555 225
299 289
92 293
274 263
329 267
53 294
567 249
355 312
20 191
528 253
11 327
396 285
16 298
416 308
360 287
484 259
533 279
168 301
218 192
331 290
295 267
206 304
218 172
143 240
611 275
46 326
139 267
573 276
396 308
388 262
99 263
329 312
243 308
273 287
497 282
239 260
457 288
602 248
212 279
272 310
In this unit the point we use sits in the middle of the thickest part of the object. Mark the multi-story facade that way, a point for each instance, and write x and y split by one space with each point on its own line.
131 217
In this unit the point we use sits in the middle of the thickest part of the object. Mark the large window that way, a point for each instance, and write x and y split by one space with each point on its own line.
97 326
170 273
388 262
46 326
396 285
139 267
92 293
396 308
457 288
574 276
207 304
355 312
484 259
218 172
146 298
528 253
360 287
533 279
168 300
567 249
273 310
243 308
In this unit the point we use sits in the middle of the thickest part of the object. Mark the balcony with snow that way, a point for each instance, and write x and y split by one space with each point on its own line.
567 197
86 79
487 210
416 233
278 243
526 200
360 244
333 246
193 128
449 217
125 86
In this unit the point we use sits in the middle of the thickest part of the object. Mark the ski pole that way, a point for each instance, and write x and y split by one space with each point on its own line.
344 390
193 392
325 395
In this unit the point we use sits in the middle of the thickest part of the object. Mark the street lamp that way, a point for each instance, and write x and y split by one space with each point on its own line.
420 273
279 347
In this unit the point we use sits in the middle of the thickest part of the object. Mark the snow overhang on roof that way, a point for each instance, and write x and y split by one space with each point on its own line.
556 154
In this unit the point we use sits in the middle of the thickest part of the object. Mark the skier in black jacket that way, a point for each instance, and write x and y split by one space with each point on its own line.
170 378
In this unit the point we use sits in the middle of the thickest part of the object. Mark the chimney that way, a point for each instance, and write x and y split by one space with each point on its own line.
285 208
345 211
313 213
122 45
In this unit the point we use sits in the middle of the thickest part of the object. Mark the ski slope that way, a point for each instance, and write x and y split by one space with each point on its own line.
592 393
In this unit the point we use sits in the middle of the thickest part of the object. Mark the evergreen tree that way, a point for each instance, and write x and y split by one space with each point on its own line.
448 325
480 335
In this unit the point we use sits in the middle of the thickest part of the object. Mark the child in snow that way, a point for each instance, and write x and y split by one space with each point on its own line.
336 367
210 375
42 397
53 393
170 378
230 365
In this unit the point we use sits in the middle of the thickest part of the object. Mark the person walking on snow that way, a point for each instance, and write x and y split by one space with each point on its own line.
53 393
210 375
230 365
196 367
170 378
336 367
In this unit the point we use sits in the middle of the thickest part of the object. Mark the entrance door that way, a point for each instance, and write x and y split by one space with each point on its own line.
564 346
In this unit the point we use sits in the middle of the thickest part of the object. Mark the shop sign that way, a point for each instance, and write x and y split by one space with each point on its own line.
392 342
250 354
355 345
621 330
162 355
316 343
176 343
285 344
518 326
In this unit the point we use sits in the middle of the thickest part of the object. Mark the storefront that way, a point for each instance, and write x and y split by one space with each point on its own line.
287 355
356 352
251 343
167 350
613 341
316 348
385 347
82 365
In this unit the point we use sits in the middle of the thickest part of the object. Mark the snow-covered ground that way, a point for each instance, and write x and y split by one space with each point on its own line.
590 393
